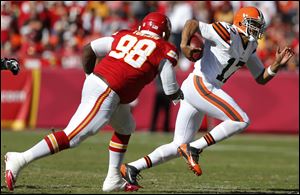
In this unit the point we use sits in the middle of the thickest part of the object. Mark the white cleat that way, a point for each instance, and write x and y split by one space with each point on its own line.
118 184
14 162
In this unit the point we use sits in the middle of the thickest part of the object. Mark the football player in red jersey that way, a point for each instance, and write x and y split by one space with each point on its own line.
129 60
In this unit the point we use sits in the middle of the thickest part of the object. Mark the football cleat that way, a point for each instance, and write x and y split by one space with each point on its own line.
191 156
130 174
131 188
118 184
14 162
9 180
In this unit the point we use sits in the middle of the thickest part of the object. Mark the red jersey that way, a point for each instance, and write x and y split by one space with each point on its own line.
133 62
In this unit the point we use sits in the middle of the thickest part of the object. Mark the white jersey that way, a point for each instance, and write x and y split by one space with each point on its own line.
224 53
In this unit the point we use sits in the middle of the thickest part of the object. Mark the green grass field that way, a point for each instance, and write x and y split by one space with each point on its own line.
245 163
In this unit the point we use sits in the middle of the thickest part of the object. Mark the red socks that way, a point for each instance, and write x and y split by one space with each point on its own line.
57 141
118 142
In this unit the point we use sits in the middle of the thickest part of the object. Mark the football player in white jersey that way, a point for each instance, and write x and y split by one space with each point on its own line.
227 48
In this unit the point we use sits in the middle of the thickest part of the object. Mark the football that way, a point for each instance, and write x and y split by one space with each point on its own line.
196 41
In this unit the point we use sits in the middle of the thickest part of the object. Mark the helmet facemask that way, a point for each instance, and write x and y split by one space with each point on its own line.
254 27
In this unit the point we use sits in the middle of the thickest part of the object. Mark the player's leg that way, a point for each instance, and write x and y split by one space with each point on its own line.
187 124
220 105
124 125
97 105
216 103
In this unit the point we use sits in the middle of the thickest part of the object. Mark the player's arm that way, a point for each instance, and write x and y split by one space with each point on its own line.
190 27
169 82
94 52
282 57
10 64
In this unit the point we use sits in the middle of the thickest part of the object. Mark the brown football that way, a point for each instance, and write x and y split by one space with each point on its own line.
196 41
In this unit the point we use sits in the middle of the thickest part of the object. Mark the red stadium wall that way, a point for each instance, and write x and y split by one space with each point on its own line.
16 96
272 108
60 95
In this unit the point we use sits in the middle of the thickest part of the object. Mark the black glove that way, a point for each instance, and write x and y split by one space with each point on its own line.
177 96
13 65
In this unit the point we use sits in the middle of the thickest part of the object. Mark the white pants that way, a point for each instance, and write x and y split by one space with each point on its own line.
200 98
99 106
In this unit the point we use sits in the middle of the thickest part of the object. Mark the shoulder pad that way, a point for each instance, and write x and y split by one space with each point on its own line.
223 30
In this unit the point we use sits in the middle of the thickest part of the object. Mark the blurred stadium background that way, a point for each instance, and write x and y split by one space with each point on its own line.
47 38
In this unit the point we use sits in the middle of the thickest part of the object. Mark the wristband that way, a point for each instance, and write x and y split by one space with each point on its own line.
270 72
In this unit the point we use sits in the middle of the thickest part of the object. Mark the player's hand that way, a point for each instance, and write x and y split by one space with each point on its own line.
282 57
188 52
13 65
177 96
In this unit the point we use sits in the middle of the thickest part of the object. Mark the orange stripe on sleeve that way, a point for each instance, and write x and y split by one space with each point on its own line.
223 29
225 36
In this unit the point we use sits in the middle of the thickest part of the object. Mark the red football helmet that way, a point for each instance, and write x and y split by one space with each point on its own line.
157 23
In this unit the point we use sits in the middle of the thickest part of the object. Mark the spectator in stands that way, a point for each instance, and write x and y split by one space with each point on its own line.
30 29
224 12
179 12
201 10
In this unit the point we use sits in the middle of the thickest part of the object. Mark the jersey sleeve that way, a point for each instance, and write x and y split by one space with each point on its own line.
255 65
218 32
102 46
168 78
171 54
